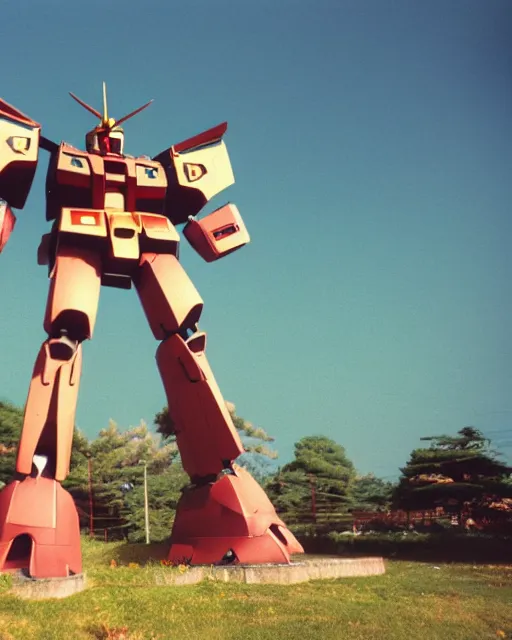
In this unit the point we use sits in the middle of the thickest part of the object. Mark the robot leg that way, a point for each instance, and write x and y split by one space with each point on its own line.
224 516
39 527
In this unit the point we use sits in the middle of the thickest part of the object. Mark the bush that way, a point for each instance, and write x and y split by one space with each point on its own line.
426 547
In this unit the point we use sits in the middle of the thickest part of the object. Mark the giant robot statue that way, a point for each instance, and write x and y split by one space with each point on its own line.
115 220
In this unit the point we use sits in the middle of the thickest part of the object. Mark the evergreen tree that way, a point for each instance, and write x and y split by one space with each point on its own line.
453 473
370 493
77 481
164 491
292 494
118 460
316 485
11 421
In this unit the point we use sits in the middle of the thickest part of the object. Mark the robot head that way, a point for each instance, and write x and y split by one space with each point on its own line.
105 140
107 137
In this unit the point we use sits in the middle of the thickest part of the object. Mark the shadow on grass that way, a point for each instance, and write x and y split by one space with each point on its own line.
439 548
141 553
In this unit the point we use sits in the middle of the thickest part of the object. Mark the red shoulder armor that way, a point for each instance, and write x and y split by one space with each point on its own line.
197 169
19 148
211 136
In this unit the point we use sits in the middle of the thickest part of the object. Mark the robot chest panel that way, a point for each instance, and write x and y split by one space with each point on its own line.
139 184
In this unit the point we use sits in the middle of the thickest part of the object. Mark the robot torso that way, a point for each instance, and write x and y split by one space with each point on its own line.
112 203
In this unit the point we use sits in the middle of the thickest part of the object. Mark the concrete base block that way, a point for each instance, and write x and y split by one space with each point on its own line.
31 589
308 569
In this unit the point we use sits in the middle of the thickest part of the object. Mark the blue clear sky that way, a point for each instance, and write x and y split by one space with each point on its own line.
372 148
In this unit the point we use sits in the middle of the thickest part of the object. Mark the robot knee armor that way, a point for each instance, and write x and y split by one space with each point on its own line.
62 347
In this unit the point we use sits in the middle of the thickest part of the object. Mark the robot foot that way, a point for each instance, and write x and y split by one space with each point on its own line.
230 521
39 529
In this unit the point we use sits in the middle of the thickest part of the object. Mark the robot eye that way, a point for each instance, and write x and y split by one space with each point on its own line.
115 145
76 162
151 172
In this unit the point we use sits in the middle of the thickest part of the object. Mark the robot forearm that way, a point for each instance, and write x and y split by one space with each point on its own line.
7 222
218 233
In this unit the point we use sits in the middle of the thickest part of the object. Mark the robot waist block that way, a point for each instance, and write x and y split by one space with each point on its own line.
89 222
218 234
19 147
119 234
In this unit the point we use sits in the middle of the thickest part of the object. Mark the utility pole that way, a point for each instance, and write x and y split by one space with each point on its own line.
91 516
313 496
146 506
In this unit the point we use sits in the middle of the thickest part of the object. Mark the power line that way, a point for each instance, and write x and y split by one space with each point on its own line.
506 430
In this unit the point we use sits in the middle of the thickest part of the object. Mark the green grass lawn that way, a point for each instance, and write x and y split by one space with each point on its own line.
412 600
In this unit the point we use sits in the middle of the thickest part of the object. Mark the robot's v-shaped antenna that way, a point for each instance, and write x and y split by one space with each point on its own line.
107 122
133 113
86 106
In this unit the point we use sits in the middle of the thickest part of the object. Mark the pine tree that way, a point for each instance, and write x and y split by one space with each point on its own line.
118 460
164 491
11 421
77 482
455 472
316 486
370 493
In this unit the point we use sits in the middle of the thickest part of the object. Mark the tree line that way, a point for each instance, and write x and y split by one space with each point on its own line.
319 488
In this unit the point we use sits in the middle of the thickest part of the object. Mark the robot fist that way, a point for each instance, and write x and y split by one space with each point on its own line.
7 222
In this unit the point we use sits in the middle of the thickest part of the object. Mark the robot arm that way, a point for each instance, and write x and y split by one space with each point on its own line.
217 234
19 147
198 169
7 222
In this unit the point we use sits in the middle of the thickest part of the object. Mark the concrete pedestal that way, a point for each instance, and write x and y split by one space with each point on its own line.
31 589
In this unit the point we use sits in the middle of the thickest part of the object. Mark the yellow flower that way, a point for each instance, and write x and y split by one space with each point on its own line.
182 568
133 565
113 564
500 634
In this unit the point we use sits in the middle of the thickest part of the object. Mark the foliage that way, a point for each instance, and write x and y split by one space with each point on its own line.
316 485
77 481
370 493
447 546
163 495
258 455
455 472
11 421
118 460
291 494
255 436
